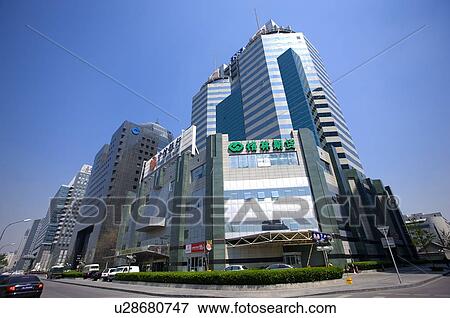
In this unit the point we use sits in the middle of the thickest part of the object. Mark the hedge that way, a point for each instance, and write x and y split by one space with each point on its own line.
245 277
367 265
72 274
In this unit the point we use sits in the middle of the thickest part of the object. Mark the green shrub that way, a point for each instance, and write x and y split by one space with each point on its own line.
72 274
367 265
246 277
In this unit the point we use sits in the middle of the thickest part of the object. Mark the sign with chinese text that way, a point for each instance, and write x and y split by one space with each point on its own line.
262 145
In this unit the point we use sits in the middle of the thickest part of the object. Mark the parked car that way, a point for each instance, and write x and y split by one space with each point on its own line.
279 266
96 275
90 269
21 286
235 268
19 272
123 269
106 273
55 272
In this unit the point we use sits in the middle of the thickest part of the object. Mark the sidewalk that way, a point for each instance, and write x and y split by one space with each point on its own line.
367 281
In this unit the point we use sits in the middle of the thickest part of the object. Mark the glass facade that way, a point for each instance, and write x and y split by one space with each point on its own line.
229 116
204 103
266 192
263 160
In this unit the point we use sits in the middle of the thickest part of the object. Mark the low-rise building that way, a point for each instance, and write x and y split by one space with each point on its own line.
254 203
431 234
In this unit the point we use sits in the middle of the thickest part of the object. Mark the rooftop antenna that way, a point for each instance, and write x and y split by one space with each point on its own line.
256 17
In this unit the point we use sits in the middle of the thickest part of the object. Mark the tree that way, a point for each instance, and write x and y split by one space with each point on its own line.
3 260
445 238
421 238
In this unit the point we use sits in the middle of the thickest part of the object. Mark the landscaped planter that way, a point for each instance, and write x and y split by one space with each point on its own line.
245 277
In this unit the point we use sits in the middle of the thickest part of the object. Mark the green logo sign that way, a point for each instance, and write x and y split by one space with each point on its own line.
264 146
235 147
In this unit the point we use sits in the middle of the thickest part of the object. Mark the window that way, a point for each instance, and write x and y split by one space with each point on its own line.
198 173
261 196
326 166
243 162
263 160
252 163
234 162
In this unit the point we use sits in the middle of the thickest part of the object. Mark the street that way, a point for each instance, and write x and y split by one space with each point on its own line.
54 289
436 289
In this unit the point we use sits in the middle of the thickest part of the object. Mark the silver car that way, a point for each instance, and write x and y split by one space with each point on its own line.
235 268
279 266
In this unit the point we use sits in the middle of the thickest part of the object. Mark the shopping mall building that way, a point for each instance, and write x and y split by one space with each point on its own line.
255 203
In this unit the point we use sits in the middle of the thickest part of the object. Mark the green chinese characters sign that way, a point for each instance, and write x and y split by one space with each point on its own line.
263 146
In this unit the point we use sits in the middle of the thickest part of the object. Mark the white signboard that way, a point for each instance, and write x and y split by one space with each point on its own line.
389 242
186 140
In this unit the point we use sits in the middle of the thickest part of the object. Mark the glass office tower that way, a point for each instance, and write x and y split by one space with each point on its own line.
283 85
204 103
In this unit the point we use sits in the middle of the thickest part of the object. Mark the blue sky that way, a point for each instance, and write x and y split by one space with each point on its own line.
57 112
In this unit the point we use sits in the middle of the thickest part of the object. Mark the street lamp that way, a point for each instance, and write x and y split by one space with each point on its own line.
9 244
384 230
3 232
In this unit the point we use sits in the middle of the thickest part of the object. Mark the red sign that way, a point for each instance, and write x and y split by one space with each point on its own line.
197 247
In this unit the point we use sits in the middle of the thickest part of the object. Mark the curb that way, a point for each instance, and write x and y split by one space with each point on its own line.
308 295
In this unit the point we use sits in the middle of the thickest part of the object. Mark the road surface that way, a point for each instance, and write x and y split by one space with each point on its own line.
53 289
438 288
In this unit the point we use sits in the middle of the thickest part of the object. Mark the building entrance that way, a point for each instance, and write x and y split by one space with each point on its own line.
295 260
197 263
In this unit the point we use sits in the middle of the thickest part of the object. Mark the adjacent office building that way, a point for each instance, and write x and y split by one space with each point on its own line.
47 229
67 219
113 182
25 257
278 83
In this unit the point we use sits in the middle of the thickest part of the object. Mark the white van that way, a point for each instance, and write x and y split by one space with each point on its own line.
123 269
90 269
106 272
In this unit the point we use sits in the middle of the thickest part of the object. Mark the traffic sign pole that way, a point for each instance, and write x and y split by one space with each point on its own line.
385 230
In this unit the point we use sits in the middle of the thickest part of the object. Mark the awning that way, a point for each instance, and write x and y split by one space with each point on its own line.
157 250
297 237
